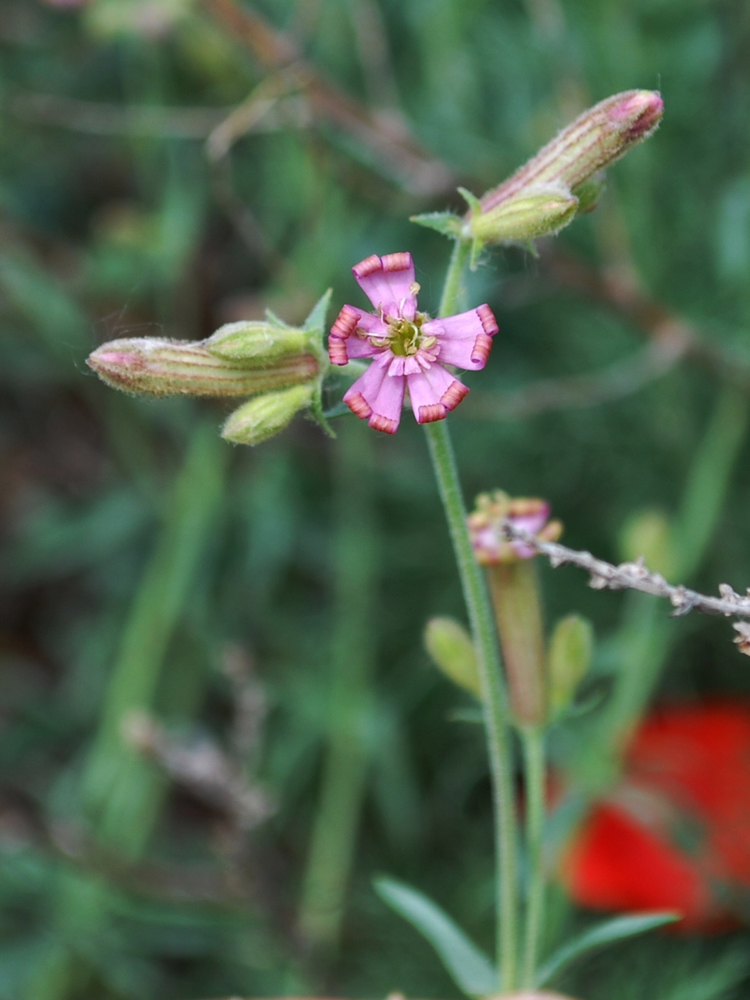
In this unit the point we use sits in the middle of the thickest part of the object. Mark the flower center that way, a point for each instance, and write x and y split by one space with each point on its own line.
405 337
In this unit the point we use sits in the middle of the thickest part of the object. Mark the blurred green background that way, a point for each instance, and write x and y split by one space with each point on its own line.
217 718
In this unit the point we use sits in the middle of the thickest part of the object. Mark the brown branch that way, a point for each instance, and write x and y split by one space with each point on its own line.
636 576
617 291
419 172
615 382
100 118
203 769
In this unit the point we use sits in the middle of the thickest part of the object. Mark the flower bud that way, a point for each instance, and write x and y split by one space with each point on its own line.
160 367
526 217
590 192
568 660
452 650
485 526
258 342
514 590
266 415
589 145
647 535
515 595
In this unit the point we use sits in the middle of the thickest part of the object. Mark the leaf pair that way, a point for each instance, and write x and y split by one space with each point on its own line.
471 970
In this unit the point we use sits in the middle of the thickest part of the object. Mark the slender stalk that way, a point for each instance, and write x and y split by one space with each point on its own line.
451 297
493 693
533 751
488 657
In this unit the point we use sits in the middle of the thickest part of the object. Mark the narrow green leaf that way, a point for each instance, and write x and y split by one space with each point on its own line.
471 199
275 320
317 318
607 932
443 222
469 967
339 410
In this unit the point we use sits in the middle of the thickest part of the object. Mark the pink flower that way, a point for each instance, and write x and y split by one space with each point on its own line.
527 513
408 349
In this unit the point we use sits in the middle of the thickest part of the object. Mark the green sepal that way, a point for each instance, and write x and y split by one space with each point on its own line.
589 193
442 222
475 205
477 247
316 321
316 413
275 320
339 410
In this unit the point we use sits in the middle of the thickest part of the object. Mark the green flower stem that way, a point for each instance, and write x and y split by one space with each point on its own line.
532 738
493 694
450 301
488 657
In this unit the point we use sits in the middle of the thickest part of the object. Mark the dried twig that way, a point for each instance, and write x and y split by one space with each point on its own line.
204 769
617 291
419 172
614 382
100 118
637 576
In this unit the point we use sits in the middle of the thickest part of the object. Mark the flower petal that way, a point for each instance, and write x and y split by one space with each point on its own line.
465 339
378 398
386 410
434 393
388 282
343 343
533 521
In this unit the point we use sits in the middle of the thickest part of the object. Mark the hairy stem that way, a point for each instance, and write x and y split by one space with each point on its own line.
533 751
488 657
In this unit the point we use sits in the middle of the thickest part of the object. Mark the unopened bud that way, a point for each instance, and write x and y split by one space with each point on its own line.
568 660
160 367
590 192
258 342
515 598
525 217
266 415
452 650
527 513
647 535
590 144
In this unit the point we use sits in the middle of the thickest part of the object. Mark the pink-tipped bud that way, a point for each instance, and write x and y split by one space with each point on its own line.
590 144
515 595
160 367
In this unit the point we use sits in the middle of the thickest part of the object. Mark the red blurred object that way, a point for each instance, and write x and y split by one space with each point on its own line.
676 833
